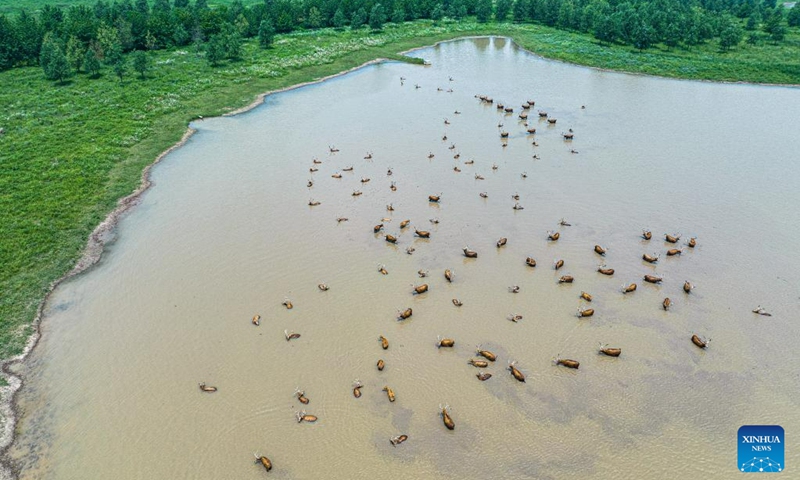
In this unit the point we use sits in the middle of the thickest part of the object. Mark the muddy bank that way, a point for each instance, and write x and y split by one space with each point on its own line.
91 255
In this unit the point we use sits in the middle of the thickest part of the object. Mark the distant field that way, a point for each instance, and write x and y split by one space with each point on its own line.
14 6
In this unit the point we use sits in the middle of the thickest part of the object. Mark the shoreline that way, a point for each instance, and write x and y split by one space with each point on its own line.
103 233
519 45
92 253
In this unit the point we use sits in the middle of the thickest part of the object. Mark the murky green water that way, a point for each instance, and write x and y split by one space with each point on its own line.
226 233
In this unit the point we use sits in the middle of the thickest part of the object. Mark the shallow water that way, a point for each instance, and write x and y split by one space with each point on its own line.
226 233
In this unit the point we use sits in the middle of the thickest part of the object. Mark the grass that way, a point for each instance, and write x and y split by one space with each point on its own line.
71 151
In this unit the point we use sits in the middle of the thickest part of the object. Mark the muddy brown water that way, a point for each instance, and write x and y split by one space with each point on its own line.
226 233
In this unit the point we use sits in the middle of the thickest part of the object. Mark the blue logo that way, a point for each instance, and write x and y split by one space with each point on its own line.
761 448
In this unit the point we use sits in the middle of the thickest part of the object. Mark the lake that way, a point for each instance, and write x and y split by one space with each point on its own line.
227 232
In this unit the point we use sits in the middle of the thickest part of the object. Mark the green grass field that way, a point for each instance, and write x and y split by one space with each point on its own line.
70 151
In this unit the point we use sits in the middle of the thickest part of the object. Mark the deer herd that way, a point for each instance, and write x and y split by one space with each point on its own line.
485 358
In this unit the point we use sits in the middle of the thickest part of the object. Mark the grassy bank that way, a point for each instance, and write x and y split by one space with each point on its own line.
70 151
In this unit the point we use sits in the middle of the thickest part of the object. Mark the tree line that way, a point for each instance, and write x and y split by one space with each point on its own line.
85 38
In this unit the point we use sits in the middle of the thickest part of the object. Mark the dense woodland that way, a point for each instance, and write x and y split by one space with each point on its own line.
86 38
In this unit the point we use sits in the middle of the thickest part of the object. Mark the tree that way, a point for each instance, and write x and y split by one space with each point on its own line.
180 37
730 36
53 61
120 66
338 19
359 18
107 41
75 53
150 41
606 29
643 36
377 17
399 15
672 35
753 21
793 18
215 50
28 37
161 6
233 45
284 23
437 13
8 44
503 9
483 10
124 34
457 9
566 13
142 7
91 63
778 33
266 33
774 25
141 62
314 19
521 10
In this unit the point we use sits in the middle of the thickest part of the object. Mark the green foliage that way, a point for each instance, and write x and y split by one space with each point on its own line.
142 7
314 19
181 37
91 63
774 25
672 35
483 10
133 25
377 17
793 17
284 22
437 13
643 36
53 61
120 66
607 28
753 21
399 15
457 10
107 41
339 21
233 44
215 49
359 19
731 32
521 10
502 9
75 53
141 62
266 33
27 39
8 47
